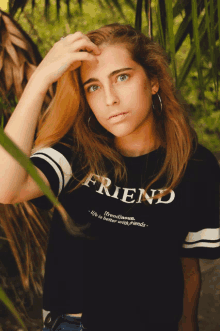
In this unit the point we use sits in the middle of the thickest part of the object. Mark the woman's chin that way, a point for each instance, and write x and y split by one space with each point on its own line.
119 134
120 131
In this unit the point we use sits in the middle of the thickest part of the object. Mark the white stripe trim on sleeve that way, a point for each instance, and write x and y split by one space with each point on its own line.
211 239
58 158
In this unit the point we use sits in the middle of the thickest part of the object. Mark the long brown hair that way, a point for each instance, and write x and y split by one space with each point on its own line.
69 112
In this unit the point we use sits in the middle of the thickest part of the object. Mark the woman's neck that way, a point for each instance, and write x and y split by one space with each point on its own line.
141 141
134 152
132 147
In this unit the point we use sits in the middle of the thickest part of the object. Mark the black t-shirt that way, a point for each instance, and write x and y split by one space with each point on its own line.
134 264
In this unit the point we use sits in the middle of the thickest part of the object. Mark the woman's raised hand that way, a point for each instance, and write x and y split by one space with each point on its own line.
66 54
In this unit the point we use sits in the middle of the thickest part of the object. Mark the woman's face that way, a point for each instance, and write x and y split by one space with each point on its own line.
121 101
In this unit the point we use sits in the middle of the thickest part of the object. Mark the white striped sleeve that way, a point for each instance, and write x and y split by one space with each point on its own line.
203 238
202 212
54 162
58 162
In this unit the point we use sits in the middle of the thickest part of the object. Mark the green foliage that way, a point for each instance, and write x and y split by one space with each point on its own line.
7 302
211 122
94 15
2 122
208 130
26 163
45 34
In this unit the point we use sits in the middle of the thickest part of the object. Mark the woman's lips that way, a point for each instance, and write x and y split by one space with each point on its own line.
118 117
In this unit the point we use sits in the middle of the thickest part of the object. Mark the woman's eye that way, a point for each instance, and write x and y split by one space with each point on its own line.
123 75
88 89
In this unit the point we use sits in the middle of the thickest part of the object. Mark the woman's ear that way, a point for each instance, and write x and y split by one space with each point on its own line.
154 86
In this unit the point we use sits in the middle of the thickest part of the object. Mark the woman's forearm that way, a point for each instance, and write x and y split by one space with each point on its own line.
20 129
192 288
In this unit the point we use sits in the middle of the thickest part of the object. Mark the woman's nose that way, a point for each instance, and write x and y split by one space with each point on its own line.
111 96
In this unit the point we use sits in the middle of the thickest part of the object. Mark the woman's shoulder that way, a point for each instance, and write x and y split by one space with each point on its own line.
203 163
203 154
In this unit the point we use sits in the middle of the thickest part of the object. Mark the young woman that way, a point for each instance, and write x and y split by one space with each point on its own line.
116 146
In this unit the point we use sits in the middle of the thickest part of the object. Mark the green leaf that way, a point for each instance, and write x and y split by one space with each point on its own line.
218 4
208 24
213 47
190 57
138 16
182 31
2 122
159 23
169 12
211 41
197 45
26 163
179 6
7 302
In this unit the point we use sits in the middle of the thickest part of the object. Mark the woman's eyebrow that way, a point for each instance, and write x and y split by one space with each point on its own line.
90 80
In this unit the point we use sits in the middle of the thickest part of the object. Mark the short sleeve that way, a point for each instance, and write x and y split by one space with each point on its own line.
55 163
202 208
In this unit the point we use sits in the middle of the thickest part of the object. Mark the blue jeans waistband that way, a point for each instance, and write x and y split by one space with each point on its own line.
55 321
